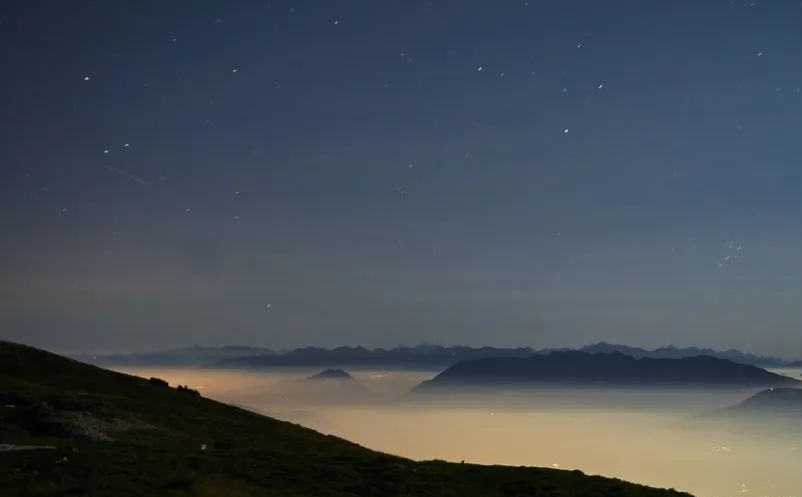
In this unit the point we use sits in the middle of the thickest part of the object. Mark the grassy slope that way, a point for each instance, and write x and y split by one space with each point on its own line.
159 452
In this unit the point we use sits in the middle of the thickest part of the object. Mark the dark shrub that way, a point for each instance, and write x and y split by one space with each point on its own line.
186 389
41 420
221 444
158 381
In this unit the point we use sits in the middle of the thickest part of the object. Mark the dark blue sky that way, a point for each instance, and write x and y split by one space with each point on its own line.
285 173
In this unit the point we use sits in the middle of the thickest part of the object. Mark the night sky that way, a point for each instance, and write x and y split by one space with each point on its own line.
289 173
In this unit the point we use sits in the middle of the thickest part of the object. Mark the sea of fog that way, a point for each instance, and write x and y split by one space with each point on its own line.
665 438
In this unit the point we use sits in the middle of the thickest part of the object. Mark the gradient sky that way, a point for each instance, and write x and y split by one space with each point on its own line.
288 173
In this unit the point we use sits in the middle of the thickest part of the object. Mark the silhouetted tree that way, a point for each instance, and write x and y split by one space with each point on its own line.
158 381
186 389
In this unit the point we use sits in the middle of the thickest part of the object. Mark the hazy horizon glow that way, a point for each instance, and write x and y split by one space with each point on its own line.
659 438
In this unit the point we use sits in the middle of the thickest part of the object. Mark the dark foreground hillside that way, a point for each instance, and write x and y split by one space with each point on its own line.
117 435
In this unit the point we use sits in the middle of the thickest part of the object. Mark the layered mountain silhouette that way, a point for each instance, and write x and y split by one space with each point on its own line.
187 356
421 356
602 369
435 356
417 357
672 352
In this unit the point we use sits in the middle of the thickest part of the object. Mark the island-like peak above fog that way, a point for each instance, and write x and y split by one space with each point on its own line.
604 369
778 400
332 374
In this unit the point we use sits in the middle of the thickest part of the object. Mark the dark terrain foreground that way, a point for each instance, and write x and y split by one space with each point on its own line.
106 433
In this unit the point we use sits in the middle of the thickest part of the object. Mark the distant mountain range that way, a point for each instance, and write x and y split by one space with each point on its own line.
584 369
417 357
189 356
421 356
672 352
